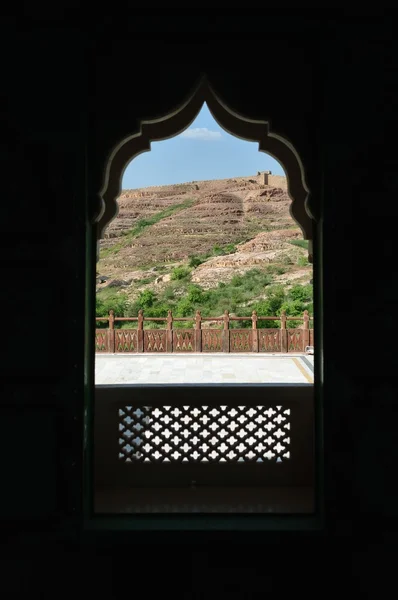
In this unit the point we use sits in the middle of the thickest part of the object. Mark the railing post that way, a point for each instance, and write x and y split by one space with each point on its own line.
225 333
111 332
169 332
284 347
140 331
306 335
254 331
198 331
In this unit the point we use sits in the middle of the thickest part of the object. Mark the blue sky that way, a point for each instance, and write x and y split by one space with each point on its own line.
203 151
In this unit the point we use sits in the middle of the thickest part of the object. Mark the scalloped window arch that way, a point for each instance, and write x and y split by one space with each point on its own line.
237 125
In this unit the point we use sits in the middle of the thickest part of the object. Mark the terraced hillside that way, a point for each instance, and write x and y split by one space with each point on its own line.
202 235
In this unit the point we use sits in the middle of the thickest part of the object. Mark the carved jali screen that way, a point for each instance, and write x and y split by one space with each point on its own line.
204 434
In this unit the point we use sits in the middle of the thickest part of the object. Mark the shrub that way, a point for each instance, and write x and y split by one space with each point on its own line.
146 280
159 310
230 249
286 260
271 269
146 299
237 281
169 293
185 308
195 261
217 250
275 297
116 302
302 261
300 243
179 273
196 294
301 292
236 296
293 308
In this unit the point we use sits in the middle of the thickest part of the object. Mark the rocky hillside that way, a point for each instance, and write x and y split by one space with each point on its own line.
205 233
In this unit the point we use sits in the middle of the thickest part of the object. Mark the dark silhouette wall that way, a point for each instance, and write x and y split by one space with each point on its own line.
70 96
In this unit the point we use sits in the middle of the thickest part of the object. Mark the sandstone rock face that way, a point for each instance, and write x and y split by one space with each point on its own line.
264 249
239 211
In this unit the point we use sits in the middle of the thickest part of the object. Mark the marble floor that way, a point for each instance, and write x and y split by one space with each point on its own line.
203 368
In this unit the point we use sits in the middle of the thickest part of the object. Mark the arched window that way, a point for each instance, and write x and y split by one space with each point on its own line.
205 475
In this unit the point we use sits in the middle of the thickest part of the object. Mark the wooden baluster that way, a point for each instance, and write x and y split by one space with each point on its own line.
198 331
140 331
225 333
169 332
254 331
111 332
284 347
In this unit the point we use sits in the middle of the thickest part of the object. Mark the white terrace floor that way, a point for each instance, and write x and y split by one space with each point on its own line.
203 368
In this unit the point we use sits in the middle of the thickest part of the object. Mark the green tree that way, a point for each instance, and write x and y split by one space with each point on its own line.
146 299
196 294
276 296
185 308
116 302
301 292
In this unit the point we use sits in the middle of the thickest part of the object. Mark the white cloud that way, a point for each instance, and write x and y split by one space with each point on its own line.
201 133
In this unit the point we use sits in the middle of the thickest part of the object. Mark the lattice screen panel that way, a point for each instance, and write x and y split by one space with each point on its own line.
295 340
269 340
126 341
101 340
204 434
155 340
183 340
241 340
211 340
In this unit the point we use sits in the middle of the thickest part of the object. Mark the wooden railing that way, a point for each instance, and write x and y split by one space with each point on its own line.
200 339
